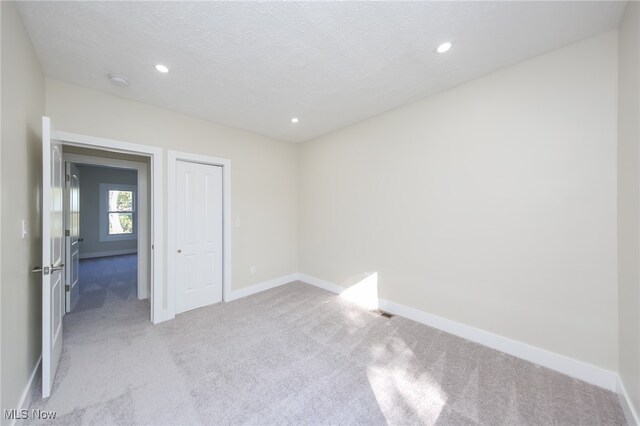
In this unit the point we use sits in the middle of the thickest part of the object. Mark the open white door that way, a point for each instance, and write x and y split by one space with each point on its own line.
72 233
52 255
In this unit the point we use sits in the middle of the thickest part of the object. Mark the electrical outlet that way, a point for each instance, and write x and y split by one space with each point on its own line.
252 269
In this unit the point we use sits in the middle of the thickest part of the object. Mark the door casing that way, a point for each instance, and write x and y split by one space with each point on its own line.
158 311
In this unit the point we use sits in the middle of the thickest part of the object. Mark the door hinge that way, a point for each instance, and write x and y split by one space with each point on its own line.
67 233
66 287
67 178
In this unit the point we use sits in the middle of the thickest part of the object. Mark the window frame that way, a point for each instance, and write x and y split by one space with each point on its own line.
104 212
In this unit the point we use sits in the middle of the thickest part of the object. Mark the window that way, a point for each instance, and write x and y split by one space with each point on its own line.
118 219
121 210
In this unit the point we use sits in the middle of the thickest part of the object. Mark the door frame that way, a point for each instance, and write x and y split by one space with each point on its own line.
158 312
172 158
142 209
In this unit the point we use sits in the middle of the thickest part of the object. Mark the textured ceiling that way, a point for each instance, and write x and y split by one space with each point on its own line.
254 65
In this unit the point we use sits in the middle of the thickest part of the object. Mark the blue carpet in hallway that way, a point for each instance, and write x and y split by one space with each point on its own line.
104 276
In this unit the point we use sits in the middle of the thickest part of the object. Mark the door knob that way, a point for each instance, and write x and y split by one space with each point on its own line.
38 269
57 268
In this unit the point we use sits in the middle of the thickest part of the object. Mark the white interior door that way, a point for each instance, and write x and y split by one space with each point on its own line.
198 235
52 255
72 233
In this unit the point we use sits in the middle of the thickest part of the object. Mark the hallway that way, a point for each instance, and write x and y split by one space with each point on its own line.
105 280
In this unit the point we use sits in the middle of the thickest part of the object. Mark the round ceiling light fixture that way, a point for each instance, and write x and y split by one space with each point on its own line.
294 120
444 47
118 79
162 68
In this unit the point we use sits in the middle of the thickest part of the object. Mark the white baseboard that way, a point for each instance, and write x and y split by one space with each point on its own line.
265 285
24 401
627 406
107 253
561 363
325 285
165 315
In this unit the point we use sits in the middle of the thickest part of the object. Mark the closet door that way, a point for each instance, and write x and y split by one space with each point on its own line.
198 257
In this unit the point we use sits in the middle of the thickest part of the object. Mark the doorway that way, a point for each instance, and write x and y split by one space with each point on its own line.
54 237
123 151
107 229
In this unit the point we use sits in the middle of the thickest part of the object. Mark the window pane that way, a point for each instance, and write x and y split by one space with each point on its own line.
120 223
120 201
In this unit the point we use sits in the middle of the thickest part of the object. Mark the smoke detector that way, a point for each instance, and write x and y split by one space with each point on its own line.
118 80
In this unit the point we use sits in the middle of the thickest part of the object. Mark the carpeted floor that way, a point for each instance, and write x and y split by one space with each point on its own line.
299 355
117 275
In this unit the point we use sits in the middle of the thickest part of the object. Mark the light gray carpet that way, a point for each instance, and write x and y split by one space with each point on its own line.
299 355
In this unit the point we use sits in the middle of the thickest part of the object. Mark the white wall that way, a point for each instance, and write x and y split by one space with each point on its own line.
90 179
629 201
492 204
20 290
264 171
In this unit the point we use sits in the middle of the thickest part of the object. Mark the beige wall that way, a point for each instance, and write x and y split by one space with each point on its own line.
629 201
264 171
20 291
492 204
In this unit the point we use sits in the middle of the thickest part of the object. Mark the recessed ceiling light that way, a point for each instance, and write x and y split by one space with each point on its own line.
118 80
162 68
444 47
294 120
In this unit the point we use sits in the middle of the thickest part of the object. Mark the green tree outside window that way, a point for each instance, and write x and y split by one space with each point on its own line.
121 211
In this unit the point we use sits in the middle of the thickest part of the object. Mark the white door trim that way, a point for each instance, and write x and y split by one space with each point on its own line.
172 158
142 208
158 312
